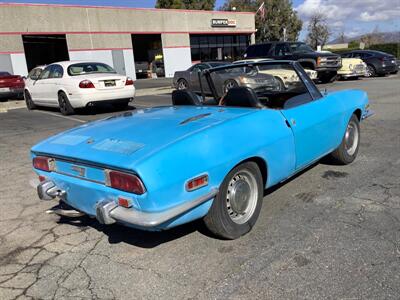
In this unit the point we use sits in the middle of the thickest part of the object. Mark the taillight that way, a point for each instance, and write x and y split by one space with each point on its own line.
129 81
43 163
125 182
86 84
196 183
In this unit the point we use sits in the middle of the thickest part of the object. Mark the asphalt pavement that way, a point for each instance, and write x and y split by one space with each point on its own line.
332 232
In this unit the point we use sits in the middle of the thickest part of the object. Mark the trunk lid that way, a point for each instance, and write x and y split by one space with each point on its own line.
11 81
105 81
122 141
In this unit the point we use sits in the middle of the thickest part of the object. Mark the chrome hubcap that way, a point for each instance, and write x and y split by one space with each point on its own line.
229 85
181 85
241 198
351 138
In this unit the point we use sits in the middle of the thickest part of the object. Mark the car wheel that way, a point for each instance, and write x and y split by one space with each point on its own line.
28 100
236 207
229 84
65 106
121 105
182 84
348 148
371 72
280 84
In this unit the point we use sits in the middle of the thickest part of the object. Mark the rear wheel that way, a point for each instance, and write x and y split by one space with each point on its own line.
229 84
236 208
348 149
65 106
28 100
371 72
182 84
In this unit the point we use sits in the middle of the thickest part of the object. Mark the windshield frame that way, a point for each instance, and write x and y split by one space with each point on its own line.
297 46
301 73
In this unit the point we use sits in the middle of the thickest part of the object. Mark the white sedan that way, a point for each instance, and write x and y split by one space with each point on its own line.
74 84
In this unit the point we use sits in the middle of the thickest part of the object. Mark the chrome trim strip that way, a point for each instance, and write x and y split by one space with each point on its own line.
145 219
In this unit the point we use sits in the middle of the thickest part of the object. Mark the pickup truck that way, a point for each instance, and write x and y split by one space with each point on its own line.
326 64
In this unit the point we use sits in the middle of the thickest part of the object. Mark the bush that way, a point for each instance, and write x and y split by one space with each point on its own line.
391 48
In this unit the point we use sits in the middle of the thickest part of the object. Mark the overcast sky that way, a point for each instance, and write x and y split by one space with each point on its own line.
354 17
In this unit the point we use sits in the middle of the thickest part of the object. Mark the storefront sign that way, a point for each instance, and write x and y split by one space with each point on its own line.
223 23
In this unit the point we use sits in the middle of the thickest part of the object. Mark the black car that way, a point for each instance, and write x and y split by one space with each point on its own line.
378 63
326 64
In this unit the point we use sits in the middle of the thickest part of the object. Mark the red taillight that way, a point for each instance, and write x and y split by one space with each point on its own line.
42 178
86 84
124 202
196 183
125 182
128 81
43 163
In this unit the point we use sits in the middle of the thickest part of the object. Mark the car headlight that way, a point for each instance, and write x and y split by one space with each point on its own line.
321 60
247 80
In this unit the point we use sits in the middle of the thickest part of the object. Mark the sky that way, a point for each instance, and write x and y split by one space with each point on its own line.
353 17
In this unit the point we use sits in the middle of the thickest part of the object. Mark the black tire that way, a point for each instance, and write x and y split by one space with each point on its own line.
281 85
121 105
229 84
28 100
346 153
371 72
182 84
327 78
65 106
222 218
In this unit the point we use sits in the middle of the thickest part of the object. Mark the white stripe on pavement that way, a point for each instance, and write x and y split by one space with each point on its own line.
60 116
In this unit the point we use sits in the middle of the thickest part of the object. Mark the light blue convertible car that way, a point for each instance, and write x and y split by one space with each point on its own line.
204 158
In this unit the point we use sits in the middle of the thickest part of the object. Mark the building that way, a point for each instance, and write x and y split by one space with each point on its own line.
37 34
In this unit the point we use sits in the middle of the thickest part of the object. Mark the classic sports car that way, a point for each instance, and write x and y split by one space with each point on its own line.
160 167
352 68
224 80
11 85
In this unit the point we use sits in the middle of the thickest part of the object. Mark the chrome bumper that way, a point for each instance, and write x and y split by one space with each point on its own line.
108 212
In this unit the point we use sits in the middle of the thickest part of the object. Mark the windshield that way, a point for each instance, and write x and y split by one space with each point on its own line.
217 64
300 47
89 68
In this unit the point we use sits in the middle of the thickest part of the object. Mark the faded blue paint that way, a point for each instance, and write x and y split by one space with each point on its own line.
167 153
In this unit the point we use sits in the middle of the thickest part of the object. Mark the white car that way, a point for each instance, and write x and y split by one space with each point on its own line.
74 84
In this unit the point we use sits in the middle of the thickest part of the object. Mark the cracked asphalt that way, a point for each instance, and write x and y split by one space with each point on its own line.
332 232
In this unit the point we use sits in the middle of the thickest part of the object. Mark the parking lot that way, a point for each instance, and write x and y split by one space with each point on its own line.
330 232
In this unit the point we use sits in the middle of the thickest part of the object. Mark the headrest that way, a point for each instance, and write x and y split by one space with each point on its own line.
242 97
185 97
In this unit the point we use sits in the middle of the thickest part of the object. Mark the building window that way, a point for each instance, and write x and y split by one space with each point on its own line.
218 47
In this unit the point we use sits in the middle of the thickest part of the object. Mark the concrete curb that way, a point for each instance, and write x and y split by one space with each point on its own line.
17 104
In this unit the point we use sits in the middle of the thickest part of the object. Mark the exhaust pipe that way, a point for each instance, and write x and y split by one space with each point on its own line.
47 190
70 213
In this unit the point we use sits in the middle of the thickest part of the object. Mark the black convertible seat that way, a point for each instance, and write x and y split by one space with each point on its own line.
185 97
243 97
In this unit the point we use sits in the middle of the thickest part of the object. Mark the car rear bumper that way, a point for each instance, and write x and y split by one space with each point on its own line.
10 92
95 96
107 211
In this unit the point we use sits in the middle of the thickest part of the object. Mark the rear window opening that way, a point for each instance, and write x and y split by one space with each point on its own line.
89 68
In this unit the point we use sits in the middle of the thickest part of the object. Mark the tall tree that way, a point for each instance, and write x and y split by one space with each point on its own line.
318 30
279 17
186 4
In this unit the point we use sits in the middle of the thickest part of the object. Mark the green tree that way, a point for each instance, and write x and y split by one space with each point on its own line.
279 17
186 4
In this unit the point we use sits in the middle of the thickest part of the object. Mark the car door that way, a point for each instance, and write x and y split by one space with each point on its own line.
314 121
38 87
54 84
194 78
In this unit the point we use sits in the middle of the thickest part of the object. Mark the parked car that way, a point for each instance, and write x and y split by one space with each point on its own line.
160 167
141 69
326 64
74 84
352 68
225 79
286 76
11 86
378 63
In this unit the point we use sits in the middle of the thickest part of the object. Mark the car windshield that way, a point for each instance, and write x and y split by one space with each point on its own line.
217 64
89 68
273 83
300 47
4 74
